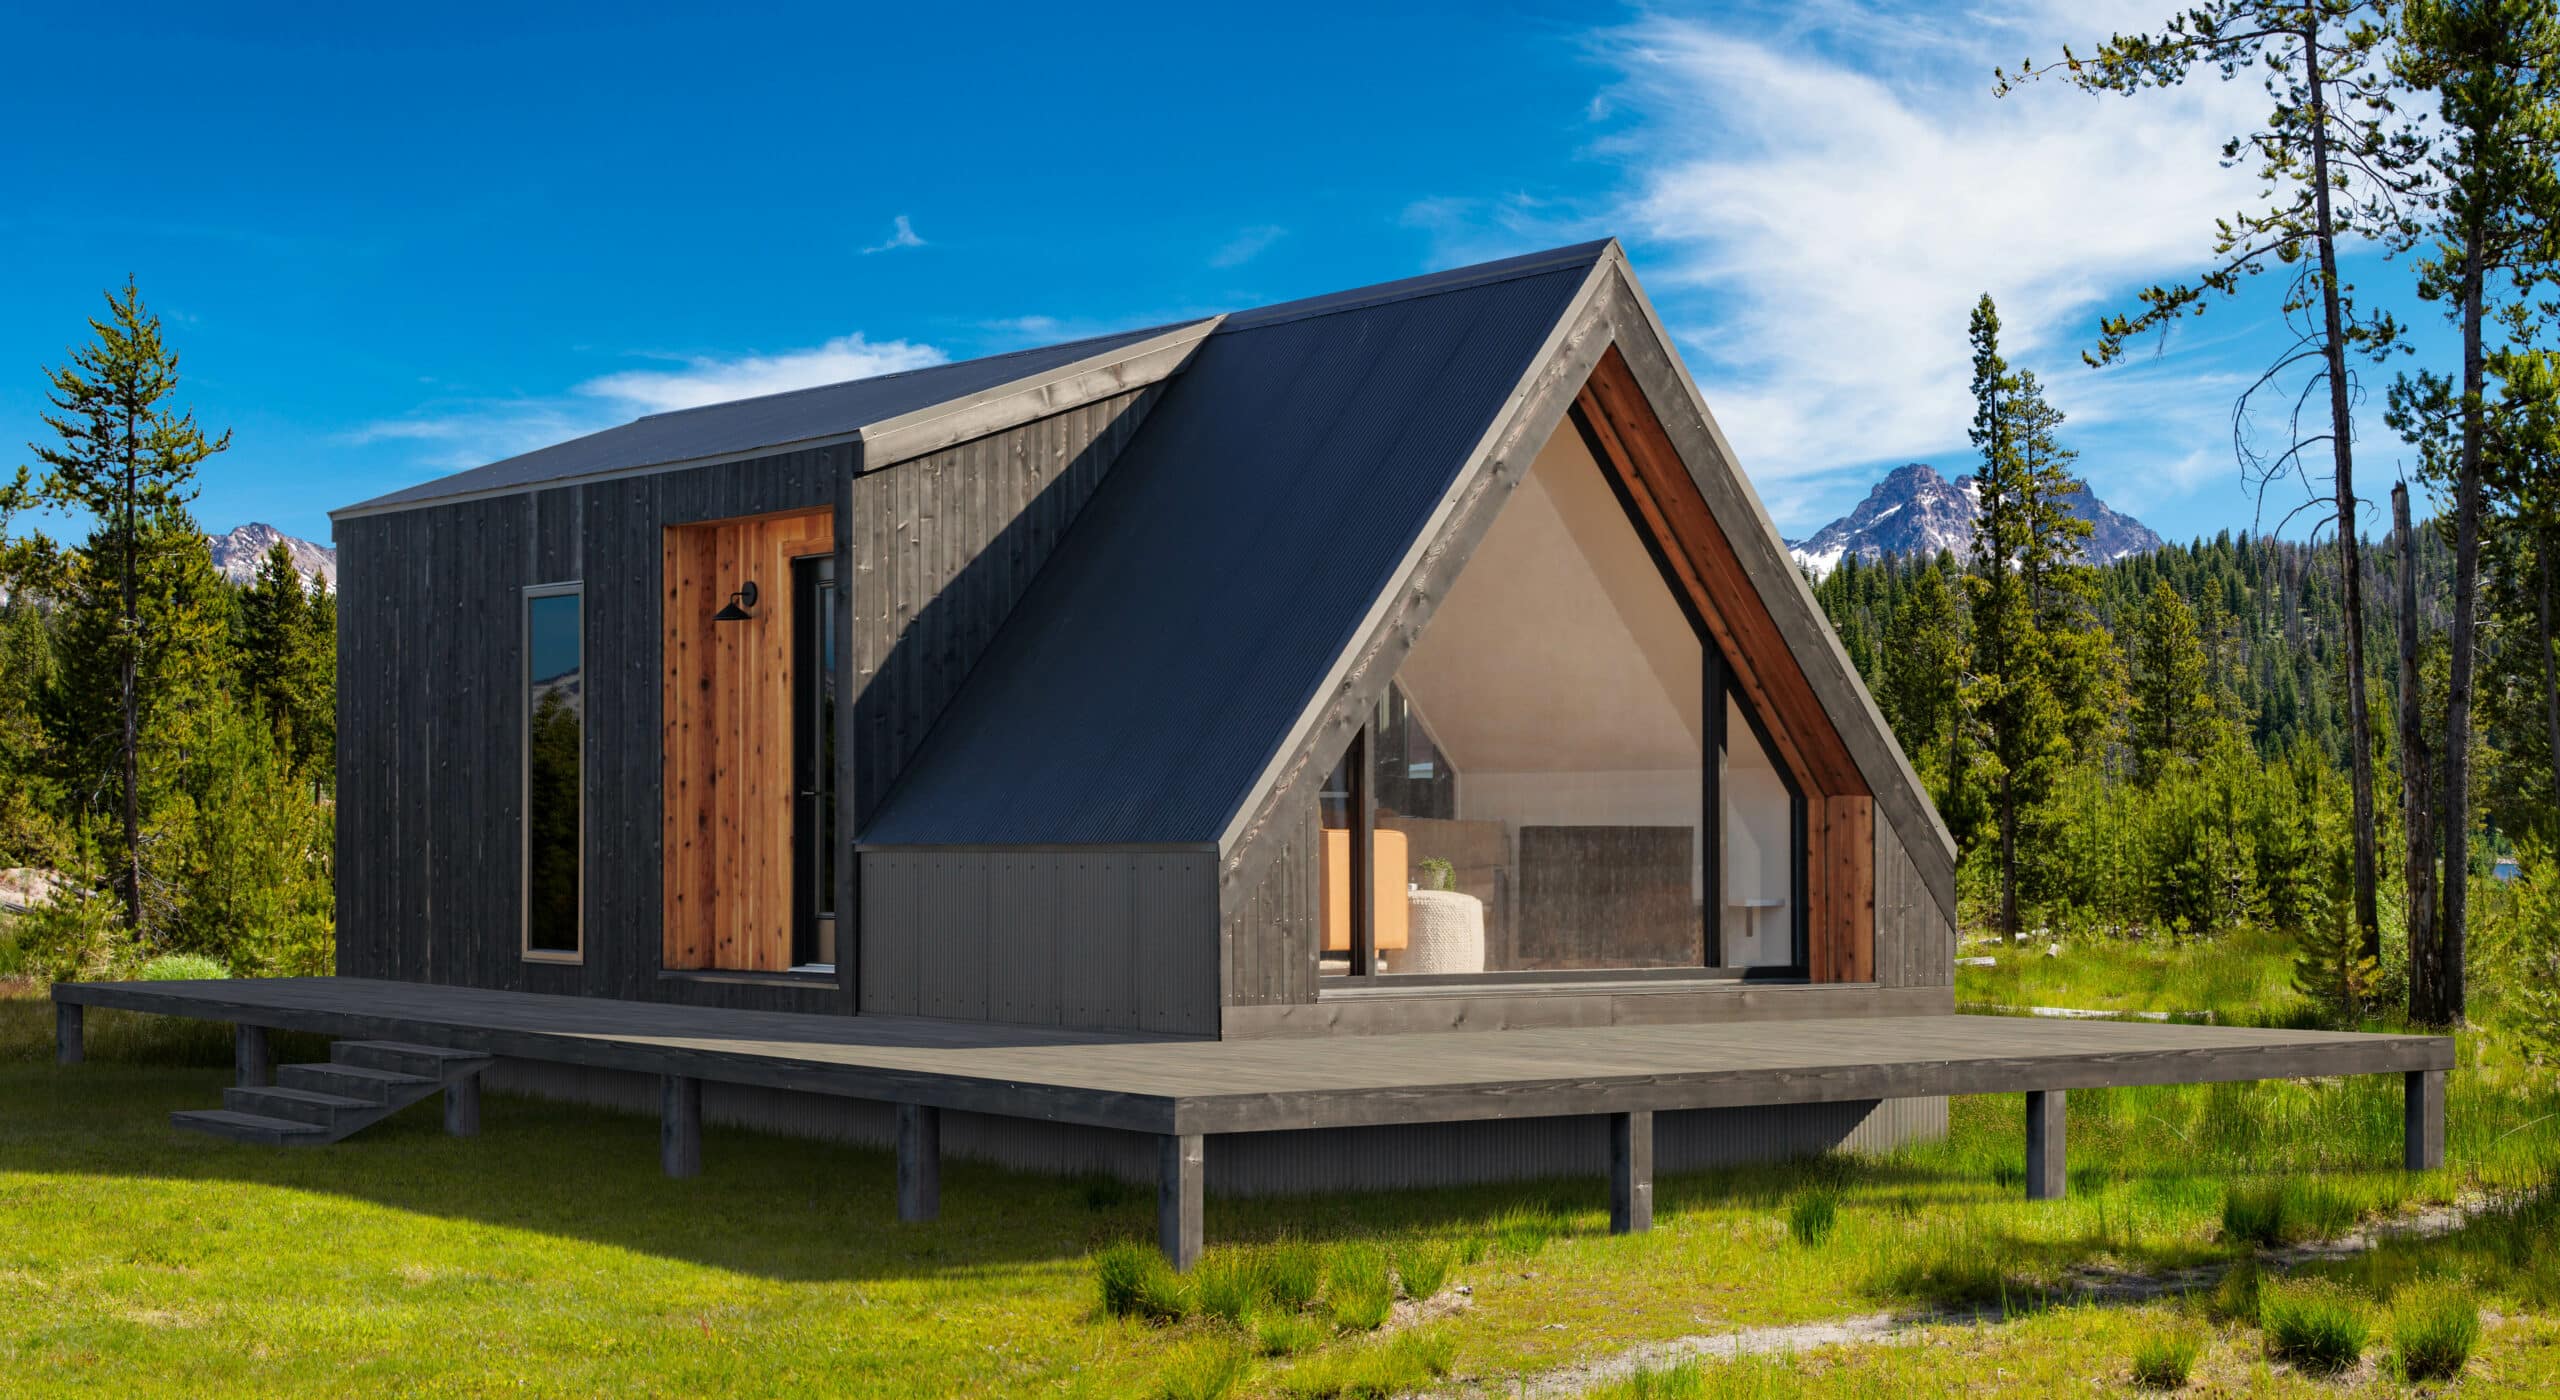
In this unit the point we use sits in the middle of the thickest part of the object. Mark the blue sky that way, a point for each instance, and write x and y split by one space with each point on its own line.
391 244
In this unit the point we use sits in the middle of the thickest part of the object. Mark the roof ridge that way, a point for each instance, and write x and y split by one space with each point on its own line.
1416 288
1132 335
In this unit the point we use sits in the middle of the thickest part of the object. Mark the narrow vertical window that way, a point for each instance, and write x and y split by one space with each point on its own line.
554 770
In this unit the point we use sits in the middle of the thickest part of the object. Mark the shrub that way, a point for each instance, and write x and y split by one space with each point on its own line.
71 936
2312 1325
1137 1281
1207 1369
1811 1217
181 967
1291 1274
1358 1288
2163 1358
1423 1269
1287 1335
2254 1214
2433 1332
1227 1285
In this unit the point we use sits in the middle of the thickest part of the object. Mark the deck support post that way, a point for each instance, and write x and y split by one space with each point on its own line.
2045 1178
680 1126
462 1106
1181 1172
919 1163
1630 1172
70 1043
251 1061
2422 1119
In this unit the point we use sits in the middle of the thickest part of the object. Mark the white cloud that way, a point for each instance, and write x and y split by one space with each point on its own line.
707 380
1840 222
903 235
1247 245
469 433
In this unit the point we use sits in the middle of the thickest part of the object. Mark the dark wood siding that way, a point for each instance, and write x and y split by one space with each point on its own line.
938 550
943 548
1915 940
1271 934
431 748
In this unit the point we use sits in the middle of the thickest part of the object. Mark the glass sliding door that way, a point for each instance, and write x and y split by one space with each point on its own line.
554 772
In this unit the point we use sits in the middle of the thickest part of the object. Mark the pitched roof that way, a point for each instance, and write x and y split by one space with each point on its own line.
1137 693
744 427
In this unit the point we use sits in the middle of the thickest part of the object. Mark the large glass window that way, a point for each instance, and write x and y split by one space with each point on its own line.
1535 781
554 792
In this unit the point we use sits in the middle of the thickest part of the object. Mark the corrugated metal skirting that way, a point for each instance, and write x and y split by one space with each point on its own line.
1392 1157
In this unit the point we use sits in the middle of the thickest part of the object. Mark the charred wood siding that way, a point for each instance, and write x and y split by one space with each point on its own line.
943 547
430 715
1271 935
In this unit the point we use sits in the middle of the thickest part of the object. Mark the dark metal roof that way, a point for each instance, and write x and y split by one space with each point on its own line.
1188 617
744 426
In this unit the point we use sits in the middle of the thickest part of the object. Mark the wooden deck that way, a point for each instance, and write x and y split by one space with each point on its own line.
1185 1089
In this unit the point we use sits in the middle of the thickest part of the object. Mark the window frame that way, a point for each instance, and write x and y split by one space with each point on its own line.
527 597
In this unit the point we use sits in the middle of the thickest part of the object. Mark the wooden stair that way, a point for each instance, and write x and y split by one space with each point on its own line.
364 1082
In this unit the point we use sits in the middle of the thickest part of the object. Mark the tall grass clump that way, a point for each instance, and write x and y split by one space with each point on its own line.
2290 1211
1423 1269
1407 1362
2433 1332
1358 1289
1811 1217
1227 1286
2253 1213
1137 1281
2164 1357
181 967
1209 1368
1292 1273
1525 1229
2312 1325
1288 1334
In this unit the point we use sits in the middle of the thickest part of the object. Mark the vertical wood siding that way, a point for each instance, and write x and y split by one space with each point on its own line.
942 548
1101 940
1270 936
1915 940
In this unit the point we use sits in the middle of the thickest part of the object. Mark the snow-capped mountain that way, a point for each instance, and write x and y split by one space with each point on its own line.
1916 511
237 554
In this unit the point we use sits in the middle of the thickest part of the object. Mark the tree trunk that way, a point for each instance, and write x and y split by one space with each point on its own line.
2466 587
2008 858
2550 678
130 644
2417 786
2342 454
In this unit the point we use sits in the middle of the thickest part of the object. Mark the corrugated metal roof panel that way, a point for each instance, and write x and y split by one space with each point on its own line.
747 425
1186 620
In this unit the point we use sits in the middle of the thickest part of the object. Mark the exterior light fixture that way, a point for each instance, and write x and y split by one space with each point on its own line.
739 603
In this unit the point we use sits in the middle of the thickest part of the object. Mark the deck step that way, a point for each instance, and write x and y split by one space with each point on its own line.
381 1086
250 1127
436 1062
303 1106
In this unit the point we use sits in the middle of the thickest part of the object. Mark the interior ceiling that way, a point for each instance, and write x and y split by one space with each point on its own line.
1560 648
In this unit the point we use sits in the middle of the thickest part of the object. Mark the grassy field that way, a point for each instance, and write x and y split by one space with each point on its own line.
548 1256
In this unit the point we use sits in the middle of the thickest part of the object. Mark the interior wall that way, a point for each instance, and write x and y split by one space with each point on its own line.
727 745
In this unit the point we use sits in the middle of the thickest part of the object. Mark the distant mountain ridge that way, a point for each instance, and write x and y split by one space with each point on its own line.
1914 510
237 554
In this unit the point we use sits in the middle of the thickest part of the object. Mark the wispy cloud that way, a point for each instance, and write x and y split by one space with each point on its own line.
1247 245
903 235
467 433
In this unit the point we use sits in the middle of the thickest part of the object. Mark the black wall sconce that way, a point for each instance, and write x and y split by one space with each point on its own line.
739 603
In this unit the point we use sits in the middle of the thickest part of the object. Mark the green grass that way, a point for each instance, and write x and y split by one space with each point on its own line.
1812 1215
549 1256
2245 977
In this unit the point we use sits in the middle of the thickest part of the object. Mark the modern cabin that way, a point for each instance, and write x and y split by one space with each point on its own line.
1381 735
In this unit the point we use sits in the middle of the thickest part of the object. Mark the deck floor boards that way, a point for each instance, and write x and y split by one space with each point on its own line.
1171 1084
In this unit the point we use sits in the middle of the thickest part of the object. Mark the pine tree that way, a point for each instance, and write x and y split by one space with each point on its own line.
2174 715
287 656
2334 160
2494 66
127 456
2034 676
1923 689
